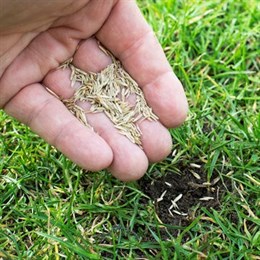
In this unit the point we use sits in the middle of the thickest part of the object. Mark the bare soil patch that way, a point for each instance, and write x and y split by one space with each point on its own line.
177 197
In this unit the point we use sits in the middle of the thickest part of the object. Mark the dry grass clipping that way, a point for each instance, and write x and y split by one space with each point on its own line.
108 92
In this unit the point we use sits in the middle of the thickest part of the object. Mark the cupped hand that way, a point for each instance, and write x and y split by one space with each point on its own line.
44 34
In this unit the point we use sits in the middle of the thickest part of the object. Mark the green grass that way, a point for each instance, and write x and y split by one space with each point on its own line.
49 208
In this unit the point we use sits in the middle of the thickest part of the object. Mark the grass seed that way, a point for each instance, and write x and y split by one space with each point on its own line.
108 91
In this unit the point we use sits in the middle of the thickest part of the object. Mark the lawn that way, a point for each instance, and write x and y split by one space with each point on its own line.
52 209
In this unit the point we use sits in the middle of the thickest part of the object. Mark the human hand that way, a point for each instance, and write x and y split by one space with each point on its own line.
41 35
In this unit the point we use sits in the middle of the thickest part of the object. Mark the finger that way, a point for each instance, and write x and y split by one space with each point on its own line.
129 161
128 36
50 119
156 140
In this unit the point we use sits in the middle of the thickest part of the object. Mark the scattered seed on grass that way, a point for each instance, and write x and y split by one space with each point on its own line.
174 152
256 182
194 165
196 175
108 92
249 211
215 181
152 251
204 184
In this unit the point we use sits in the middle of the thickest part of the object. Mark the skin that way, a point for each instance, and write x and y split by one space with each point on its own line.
37 36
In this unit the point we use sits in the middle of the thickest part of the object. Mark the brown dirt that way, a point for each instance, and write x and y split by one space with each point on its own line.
192 190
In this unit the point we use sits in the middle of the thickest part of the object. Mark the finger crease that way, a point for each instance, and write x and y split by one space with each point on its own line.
38 111
56 140
162 75
130 50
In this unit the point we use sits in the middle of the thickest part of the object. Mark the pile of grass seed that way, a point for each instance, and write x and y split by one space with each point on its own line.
108 91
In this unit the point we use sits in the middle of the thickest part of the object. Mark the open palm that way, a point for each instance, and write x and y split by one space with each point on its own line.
73 30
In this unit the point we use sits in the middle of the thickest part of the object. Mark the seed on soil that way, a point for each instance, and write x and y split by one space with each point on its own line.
179 213
206 198
196 175
161 197
174 202
168 184
108 91
174 205
177 198
194 165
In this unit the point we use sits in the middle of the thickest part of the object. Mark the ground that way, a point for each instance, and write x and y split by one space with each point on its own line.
52 209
